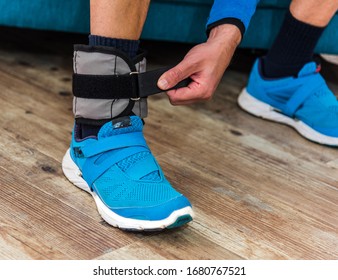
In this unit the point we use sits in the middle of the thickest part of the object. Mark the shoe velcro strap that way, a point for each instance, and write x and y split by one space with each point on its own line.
143 168
302 94
92 169
112 143
129 86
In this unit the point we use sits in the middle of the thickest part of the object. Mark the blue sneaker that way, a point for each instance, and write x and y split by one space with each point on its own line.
303 102
125 180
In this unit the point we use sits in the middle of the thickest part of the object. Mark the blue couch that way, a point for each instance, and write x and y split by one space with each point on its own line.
175 20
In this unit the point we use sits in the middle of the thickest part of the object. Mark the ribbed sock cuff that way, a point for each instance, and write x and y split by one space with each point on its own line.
130 47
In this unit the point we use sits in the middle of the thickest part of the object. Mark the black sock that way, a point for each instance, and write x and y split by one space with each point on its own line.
130 47
292 48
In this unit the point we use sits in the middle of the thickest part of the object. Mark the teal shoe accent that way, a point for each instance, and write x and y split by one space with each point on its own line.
128 185
304 102
181 221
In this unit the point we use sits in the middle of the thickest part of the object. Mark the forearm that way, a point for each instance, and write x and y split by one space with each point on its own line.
226 35
224 38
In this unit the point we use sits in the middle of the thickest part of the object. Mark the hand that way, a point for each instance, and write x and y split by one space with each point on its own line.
204 64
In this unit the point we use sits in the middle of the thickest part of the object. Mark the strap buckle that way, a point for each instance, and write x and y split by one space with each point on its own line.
135 84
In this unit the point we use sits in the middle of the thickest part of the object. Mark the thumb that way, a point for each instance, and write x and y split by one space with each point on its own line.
173 76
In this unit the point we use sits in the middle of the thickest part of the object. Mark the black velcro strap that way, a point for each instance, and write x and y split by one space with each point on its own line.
133 85
105 86
147 82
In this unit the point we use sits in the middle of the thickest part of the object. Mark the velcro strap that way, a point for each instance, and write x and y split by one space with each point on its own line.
115 142
133 85
142 168
91 170
303 93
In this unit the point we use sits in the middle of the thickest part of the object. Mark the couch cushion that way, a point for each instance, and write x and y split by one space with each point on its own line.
262 3
46 14
274 3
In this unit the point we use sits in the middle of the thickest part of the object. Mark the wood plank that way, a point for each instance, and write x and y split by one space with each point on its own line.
187 243
53 229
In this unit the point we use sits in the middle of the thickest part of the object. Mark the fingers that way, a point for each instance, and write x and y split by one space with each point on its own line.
195 92
175 75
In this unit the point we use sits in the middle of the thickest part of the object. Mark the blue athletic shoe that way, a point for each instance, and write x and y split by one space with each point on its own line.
122 175
303 102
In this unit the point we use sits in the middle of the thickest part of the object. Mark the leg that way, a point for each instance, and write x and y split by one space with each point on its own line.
108 156
118 19
314 12
286 86
116 24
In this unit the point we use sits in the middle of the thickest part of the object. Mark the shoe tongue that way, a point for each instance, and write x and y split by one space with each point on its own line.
309 69
121 125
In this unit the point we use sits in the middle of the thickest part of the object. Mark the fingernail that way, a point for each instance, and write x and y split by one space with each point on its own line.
163 84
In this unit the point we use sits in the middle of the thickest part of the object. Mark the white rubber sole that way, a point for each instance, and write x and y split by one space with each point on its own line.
260 109
177 218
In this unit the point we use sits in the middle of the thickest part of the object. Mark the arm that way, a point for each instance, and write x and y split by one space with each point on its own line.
205 63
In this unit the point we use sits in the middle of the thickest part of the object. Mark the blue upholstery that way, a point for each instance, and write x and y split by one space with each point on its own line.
175 20
71 16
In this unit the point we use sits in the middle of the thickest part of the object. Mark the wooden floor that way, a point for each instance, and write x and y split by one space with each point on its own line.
259 190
